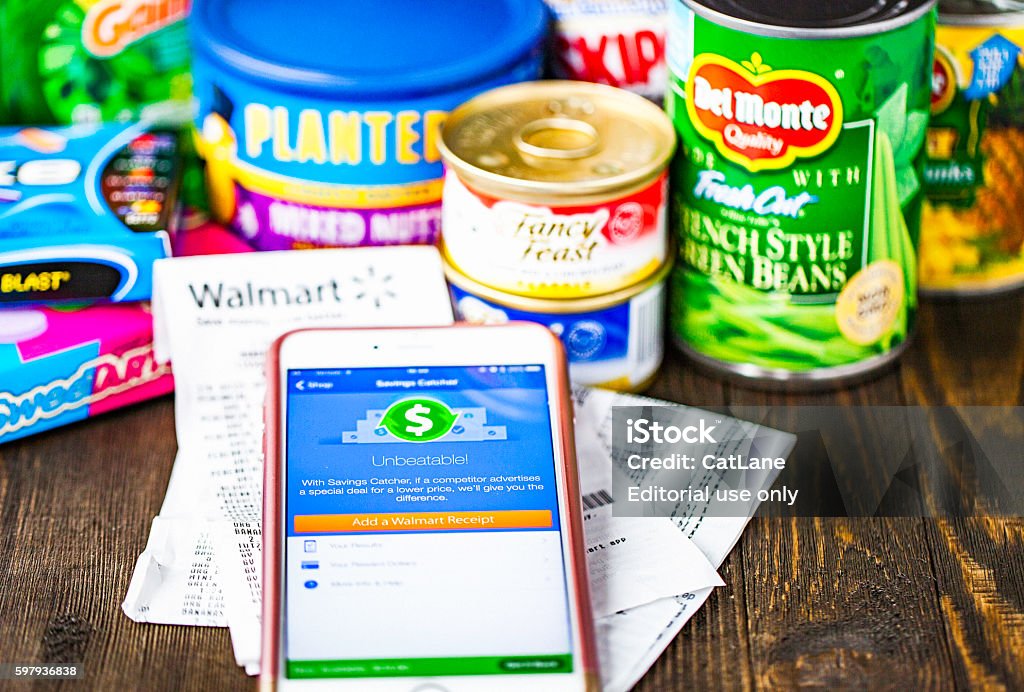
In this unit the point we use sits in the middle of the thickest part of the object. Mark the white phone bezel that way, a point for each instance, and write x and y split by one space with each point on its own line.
433 347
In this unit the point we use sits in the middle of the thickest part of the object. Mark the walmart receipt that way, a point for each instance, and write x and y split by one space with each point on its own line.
214 318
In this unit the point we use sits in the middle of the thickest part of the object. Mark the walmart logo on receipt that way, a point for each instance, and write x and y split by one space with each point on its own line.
423 420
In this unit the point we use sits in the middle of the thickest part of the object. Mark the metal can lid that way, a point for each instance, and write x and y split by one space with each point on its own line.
607 8
981 12
384 48
557 139
812 18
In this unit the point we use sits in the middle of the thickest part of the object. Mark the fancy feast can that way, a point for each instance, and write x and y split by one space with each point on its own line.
799 185
614 341
556 189
972 233
319 120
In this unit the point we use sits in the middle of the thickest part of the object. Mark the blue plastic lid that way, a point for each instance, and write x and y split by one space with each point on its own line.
369 47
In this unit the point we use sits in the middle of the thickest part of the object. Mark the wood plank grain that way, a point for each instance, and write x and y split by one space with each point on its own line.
841 603
972 353
887 603
981 589
712 650
967 353
680 382
77 504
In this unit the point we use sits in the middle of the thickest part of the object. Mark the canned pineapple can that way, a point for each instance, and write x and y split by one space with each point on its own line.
797 192
614 341
972 234
556 189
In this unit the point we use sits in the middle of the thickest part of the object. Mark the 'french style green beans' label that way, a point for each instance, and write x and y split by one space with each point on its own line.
796 192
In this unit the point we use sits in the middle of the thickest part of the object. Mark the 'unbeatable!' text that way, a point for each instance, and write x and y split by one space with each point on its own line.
436 460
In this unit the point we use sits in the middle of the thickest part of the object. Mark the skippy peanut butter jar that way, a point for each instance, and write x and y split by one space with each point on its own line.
319 121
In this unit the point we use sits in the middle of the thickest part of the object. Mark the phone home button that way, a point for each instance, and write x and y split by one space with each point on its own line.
429 687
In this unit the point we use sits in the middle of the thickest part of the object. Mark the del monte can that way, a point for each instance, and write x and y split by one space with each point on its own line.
797 191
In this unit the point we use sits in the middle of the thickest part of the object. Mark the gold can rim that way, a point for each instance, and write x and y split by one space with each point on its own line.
558 306
497 101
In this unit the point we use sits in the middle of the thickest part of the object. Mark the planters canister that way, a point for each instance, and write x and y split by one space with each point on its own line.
614 341
972 231
319 120
556 189
798 192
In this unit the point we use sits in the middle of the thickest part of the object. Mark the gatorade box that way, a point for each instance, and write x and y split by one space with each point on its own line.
84 211
88 61
61 365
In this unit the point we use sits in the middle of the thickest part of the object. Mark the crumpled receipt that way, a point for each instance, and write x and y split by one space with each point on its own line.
214 318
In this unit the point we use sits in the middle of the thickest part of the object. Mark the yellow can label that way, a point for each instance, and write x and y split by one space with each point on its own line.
972 236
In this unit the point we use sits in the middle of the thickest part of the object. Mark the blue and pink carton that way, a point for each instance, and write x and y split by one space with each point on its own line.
61 365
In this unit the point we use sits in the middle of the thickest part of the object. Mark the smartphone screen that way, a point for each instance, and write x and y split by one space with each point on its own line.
423 529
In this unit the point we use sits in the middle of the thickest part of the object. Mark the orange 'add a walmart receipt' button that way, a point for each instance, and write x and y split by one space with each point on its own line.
424 521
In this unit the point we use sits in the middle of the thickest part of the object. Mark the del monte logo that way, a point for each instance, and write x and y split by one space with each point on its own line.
759 117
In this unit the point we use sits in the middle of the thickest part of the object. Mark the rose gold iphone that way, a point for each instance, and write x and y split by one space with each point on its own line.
422 526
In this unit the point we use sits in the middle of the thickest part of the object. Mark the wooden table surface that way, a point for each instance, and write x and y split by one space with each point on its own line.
853 603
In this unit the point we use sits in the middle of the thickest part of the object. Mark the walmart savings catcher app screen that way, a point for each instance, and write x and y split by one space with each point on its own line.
422 524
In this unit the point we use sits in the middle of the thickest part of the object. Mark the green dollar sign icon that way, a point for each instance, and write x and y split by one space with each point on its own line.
418 420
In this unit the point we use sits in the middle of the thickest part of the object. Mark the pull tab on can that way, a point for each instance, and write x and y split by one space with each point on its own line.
558 138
